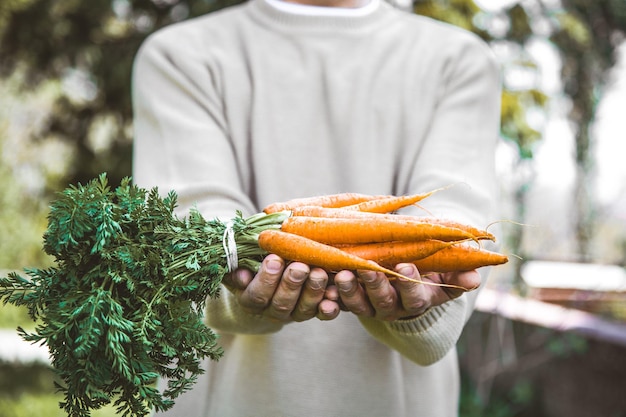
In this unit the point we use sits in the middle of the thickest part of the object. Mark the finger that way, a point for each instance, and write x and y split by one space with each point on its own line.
382 295
466 279
328 310
288 292
238 280
257 295
470 280
332 292
352 294
312 294
414 296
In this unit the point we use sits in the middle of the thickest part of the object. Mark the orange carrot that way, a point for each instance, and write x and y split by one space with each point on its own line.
481 234
459 258
316 211
390 254
478 233
391 203
337 212
384 229
330 200
298 248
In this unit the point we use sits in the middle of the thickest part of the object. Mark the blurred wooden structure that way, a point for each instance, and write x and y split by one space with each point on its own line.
563 345
598 289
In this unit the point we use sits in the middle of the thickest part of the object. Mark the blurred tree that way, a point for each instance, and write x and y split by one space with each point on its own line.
587 34
89 46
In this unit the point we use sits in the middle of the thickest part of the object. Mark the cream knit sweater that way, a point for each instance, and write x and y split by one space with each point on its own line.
252 105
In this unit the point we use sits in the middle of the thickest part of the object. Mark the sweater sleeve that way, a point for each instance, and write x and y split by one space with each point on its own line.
425 339
181 143
181 138
459 150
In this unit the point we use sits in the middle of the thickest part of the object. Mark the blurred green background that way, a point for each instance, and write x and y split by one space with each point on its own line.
65 117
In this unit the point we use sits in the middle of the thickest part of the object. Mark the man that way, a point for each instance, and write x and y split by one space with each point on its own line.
273 100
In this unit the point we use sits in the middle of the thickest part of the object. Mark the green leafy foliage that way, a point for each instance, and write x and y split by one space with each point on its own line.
124 303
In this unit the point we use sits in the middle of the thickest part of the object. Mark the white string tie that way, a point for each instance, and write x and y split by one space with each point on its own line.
230 247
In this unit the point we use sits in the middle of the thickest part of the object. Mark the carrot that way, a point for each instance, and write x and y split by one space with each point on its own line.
330 200
459 258
391 203
336 212
316 211
390 254
384 229
481 234
298 248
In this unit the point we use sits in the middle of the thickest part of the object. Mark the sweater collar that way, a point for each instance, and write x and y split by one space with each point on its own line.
367 6
344 21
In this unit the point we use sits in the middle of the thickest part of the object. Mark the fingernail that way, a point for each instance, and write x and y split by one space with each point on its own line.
240 275
297 275
368 276
407 271
273 266
328 311
344 286
316 284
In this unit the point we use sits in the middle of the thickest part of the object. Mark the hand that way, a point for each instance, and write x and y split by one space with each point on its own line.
378 296
294 292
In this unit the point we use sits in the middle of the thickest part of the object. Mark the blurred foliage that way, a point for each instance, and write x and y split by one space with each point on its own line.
12 316
587 33
23 220
27 390
514 124
456 12
24 170
516 101
509 404
89 46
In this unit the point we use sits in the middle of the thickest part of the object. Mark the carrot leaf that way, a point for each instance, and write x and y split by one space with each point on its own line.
124 303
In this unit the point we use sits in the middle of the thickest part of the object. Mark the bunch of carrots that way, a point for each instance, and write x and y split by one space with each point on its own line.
362 232
124 303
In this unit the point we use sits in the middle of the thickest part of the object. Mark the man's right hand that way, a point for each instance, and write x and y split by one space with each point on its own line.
285 293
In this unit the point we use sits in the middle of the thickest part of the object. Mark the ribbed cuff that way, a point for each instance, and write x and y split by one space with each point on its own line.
427 338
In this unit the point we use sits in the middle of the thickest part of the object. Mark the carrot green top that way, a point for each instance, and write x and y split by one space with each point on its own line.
253 104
